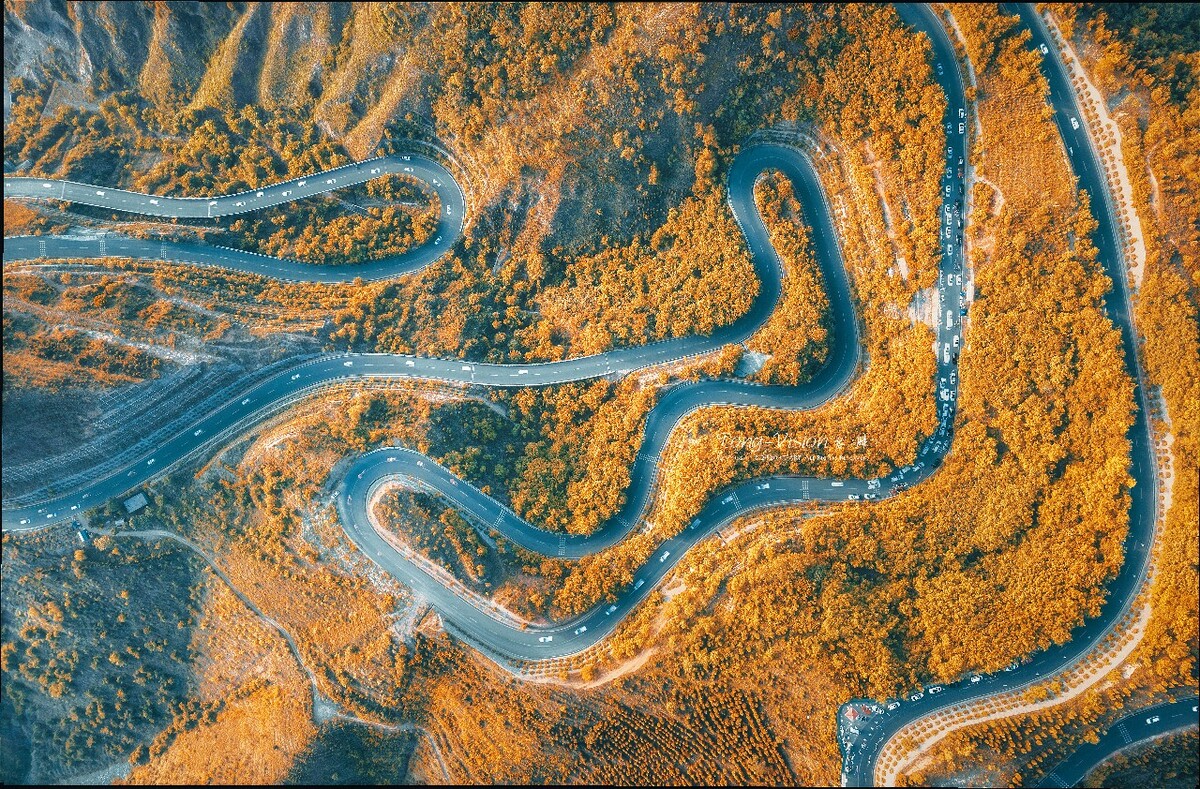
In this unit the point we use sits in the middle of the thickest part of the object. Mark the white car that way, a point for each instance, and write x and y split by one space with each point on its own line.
852 497
935 689
301 183
975 678
153 201
437 240
1153 719
330 180
347 364
1044 48
663 558
100 192
916 696
211 203
1075 123
638 585
74 506
581 630
763 486
374 170
198 432
294 377
410 363
895 705
239 204
258 194
962 112
962 127
546 639
24 521
285 194
246 401
47 186
150 462
611 610
956 342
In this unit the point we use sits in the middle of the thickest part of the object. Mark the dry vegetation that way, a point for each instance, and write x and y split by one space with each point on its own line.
604 151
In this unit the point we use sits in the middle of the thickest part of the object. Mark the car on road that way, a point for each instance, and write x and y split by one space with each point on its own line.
763 486
694 524
1012 666
953 377
347 363
546 639
258 194
949 150
246 401
581 630
153 201
294 377
150 462
956 342
285 194
47 186
870 496
935 689
939 69
330 180
916 696
1075 123
211 203
198 432
873 485
437 240
962 112
852 497
612 609
410 363
1153 719
100 192
374 170
962 127
301 183
664 556
74 506
239 204
638 585
975 678
1045 49
895 705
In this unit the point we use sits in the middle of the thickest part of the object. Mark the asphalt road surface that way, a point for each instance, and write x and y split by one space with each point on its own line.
483 627
450 224
1136 728
862 744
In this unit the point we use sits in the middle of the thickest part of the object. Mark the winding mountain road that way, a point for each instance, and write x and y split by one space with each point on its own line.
374 468
862 746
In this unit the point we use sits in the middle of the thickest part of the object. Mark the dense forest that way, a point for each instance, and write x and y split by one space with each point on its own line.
594 142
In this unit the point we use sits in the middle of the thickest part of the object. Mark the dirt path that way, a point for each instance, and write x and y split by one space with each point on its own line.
1105 135
323 710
